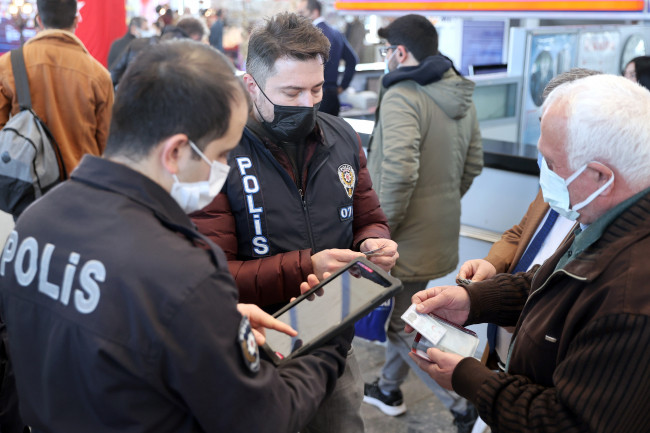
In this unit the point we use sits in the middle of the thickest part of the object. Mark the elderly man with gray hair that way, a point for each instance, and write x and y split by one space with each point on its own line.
579 357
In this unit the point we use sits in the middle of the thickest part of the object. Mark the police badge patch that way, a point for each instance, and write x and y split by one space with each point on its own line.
347 178
248 345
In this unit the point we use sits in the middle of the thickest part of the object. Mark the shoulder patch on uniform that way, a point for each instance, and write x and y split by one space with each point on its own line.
347 178
248 345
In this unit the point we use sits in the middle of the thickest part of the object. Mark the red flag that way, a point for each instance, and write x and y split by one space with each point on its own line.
100 23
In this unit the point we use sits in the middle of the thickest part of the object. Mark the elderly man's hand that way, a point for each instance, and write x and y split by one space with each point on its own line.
441 367
449 302
477 270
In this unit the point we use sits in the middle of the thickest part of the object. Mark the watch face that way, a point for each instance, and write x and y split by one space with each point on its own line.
634 47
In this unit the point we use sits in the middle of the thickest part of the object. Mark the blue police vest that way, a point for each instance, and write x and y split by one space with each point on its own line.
271 215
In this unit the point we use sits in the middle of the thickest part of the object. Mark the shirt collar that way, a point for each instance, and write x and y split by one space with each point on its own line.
318 20
64 35
589 234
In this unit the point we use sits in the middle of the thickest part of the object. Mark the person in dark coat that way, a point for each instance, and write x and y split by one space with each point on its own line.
340 49
138 28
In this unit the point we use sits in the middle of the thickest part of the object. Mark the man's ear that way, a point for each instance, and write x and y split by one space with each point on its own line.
39 23
402 53
602 175
75 23
175 151
251 85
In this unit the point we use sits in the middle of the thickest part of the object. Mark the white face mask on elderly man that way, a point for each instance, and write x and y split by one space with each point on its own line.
556 192
192 196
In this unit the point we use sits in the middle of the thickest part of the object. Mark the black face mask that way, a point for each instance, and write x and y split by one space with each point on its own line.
292 124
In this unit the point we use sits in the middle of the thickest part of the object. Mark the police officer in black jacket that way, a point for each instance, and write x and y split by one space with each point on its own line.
119 315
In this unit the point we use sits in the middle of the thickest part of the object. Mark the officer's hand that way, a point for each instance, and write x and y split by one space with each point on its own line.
449 302
382 252
477 270
261 320
312 281
331 260
441 367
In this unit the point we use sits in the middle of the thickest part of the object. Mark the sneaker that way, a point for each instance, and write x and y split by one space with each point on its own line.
391 404
464 423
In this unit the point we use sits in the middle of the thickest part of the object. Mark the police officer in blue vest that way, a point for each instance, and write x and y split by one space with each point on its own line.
119 315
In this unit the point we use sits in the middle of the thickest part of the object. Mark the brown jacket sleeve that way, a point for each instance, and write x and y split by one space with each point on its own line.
592 391
266 281
508 250
369 219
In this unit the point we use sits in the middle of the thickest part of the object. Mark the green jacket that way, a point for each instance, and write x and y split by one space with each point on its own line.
424 154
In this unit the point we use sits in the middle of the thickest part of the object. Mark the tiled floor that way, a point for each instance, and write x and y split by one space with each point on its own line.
425 412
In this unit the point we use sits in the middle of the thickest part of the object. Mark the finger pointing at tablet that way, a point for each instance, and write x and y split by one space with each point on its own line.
261 320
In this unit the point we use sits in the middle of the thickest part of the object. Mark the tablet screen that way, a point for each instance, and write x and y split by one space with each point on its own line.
345 295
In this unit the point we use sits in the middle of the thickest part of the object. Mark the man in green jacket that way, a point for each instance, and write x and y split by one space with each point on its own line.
424 153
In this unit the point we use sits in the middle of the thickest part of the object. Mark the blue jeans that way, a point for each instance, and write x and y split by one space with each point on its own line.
398 362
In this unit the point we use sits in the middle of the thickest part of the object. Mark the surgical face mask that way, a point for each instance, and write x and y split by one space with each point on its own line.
290 124
556 193
387 63
192 196
146 33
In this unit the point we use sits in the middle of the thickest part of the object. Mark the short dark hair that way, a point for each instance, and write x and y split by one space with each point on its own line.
284 35
567 77
194 27
174 87
57 14
642 70
137 22
314 5
415 32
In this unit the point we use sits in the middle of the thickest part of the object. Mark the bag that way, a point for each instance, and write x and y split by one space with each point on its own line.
30 159
373 326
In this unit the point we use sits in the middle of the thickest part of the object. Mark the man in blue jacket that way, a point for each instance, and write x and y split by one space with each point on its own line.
340 50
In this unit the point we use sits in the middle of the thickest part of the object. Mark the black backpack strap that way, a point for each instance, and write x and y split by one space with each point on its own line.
20 77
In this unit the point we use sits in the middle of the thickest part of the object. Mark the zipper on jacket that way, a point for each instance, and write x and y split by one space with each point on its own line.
526 304
310 175
300 191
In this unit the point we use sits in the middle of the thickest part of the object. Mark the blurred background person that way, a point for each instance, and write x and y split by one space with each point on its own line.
340 50
216 31
138 28
188 27
638 70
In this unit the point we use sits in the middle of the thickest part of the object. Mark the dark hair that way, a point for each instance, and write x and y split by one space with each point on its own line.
193 27
415 32
173 87
284 35
642 70
567 77
314 5
137 22
57 14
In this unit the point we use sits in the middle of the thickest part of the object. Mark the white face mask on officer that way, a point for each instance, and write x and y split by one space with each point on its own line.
192 196
556 192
